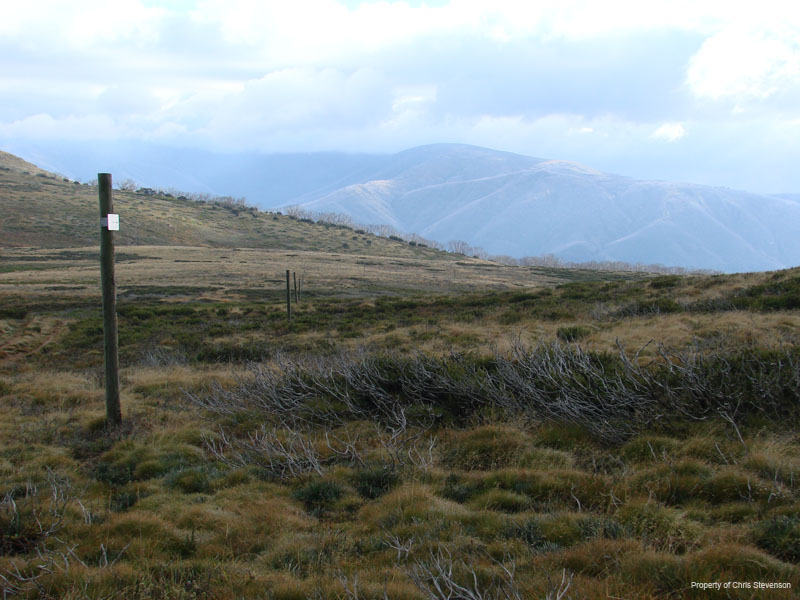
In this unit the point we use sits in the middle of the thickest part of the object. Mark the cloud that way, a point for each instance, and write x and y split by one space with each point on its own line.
746 65
45 127
671 132
603 83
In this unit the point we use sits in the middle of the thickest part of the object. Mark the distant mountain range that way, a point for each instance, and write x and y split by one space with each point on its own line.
505 203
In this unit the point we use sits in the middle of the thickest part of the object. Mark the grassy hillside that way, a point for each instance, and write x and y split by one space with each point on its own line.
425 427
44 210
10 162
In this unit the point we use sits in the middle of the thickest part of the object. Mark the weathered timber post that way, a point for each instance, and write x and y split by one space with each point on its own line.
296 296
301 283
288 298
109 222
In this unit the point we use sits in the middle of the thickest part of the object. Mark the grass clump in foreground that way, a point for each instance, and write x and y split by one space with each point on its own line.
359 475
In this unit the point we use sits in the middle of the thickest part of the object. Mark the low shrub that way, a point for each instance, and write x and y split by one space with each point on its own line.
582 398
779 295
665 282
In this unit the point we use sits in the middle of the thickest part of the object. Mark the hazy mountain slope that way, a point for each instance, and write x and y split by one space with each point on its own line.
265 180
429 171
503 202
520 206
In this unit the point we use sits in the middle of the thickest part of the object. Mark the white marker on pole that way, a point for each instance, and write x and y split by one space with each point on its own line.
111 222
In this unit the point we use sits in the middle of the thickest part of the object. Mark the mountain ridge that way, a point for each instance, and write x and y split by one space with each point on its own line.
505 203
581 214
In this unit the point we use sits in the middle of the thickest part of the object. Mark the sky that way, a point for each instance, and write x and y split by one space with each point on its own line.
686 90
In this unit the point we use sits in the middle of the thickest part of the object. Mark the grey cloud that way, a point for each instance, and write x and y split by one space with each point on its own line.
637 76
126 99
240 97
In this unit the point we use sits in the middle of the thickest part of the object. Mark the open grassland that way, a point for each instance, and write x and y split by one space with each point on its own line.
261 274
412 433
218 305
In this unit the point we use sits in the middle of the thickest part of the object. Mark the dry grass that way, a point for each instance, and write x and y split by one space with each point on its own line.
546 509
218 273
736 328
